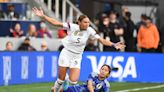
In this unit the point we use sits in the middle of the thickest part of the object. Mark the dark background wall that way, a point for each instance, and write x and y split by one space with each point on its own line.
92 7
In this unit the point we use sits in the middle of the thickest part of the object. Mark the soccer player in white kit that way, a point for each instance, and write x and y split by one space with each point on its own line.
74 44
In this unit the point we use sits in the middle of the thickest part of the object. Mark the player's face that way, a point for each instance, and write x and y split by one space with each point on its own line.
84 24
104 71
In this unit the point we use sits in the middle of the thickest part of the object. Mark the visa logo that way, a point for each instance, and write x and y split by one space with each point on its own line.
126 67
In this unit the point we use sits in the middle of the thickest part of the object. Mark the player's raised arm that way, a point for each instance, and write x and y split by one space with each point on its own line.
118 45
40 13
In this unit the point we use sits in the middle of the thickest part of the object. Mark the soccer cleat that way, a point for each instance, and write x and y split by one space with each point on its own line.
53 89
65 85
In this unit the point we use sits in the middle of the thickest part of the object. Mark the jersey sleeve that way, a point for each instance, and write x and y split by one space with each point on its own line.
106 89
69 26
93 34
107 86
91 76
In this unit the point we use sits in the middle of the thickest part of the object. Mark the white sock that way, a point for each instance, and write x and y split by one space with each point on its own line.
72 83
58 84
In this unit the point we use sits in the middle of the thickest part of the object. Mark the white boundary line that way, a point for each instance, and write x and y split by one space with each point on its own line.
144 88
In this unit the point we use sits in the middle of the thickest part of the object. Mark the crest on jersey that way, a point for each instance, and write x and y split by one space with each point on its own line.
78 33
75 33
98 86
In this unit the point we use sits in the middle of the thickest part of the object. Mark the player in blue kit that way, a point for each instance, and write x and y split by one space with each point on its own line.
95 83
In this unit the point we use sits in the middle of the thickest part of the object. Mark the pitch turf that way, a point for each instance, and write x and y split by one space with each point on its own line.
115 87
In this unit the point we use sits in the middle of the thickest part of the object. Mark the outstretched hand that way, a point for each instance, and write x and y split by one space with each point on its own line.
38 12
119 45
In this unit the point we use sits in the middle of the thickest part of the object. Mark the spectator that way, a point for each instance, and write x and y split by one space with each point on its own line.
142 22
148 36
16 32
101 17
43 32
9 46
62 33
44 46
128 33
31 31
2 14
122 16
4 1
104 28
11 14
162 39
26 45
124 10
91 46
116 31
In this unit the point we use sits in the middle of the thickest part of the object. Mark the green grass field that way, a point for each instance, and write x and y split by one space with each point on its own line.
115 87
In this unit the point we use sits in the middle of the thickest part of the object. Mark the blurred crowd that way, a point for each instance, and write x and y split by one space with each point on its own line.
10 13
16 31
142 36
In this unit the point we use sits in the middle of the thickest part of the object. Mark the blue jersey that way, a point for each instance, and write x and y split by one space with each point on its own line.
99 85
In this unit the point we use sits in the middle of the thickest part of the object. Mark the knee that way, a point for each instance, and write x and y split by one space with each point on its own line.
62 77
73 79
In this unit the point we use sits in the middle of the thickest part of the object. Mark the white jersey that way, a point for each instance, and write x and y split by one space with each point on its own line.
76 39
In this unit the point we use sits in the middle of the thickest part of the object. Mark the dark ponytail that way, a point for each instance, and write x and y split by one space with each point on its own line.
81 17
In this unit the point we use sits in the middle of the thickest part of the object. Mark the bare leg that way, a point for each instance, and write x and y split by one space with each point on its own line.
61 77
74 75
62 72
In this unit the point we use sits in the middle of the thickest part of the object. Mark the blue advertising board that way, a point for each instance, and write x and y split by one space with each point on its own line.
30 67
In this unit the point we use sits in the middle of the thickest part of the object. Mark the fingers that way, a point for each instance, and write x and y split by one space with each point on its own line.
123 46
37 11
120 45
40 8
34 9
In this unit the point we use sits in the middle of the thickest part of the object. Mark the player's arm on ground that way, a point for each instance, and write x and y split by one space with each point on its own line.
40 13
90 87
118 45
106 89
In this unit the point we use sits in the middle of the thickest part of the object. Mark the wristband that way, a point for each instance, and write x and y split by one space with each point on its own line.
113 45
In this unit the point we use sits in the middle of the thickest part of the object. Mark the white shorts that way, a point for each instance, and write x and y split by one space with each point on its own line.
69 59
